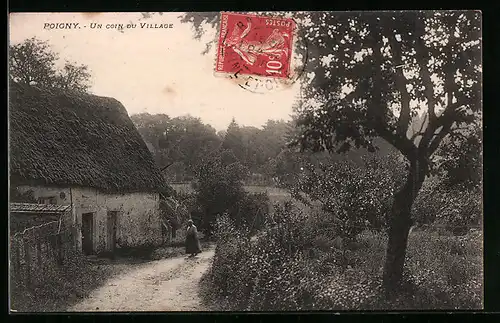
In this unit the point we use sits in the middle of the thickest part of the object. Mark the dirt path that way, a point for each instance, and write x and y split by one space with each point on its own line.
164 285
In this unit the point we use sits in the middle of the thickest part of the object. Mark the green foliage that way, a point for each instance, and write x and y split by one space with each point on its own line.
354 108
388 62
252 211
287 268
33 62
456 208
461 159
233 141
174 212
355 196
178 144
446 271
285 167
55 284
351 97
219 189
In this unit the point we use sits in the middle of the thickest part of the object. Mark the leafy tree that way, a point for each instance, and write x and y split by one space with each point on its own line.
196 140
34 62
234 141
271 140
461 159
73 76
218 187
178 144
373 73
355 196
287 166
153 129
453 197
393 65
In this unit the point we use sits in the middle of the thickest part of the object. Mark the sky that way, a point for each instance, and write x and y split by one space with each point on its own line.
154 70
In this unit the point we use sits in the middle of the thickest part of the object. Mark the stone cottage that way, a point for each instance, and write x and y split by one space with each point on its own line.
82 150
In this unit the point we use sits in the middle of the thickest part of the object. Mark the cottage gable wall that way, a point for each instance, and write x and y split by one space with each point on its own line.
138 220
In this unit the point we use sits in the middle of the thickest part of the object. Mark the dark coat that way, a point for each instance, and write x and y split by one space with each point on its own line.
192 241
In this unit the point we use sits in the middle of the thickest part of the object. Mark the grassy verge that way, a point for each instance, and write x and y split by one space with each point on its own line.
62 287
281 272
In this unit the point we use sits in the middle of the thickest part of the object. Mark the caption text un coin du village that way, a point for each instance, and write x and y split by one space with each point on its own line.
94 25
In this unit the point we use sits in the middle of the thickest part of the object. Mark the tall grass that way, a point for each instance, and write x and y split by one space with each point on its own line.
298 265
60 287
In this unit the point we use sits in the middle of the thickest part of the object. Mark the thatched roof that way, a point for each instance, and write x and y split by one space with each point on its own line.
64 138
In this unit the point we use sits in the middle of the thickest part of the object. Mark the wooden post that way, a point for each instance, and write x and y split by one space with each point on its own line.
17 260
39 254
59 250
44 255
27 262
64 250
52 244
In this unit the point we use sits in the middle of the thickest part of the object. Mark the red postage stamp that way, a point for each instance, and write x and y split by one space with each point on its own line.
255 45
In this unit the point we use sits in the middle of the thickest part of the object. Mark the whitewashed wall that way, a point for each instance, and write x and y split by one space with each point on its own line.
138 221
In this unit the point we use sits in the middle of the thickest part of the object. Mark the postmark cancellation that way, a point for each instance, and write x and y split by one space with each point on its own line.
257 46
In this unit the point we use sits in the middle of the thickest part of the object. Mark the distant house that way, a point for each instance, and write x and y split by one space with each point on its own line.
83 151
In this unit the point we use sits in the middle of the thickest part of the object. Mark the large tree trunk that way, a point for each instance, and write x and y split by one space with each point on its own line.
399 227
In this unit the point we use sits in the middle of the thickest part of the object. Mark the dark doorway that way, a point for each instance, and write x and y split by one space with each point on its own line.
112 220
87 233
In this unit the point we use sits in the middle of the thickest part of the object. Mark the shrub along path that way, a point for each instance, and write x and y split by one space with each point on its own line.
163 285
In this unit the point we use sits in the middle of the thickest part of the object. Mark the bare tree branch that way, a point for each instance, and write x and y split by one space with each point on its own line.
378 107
446 121
401 81
403 144
420 131
423 58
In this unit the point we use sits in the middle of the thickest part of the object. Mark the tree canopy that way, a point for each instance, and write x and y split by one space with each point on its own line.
382 70
412 78
374 73
178 144
34 62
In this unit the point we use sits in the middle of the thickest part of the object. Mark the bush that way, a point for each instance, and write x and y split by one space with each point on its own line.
252 211
355 195
446 270
58 286
296 264
219 189
456 209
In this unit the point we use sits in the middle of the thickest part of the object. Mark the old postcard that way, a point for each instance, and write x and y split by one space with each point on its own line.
245 161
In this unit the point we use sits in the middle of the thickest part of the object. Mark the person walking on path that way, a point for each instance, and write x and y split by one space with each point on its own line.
193 246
